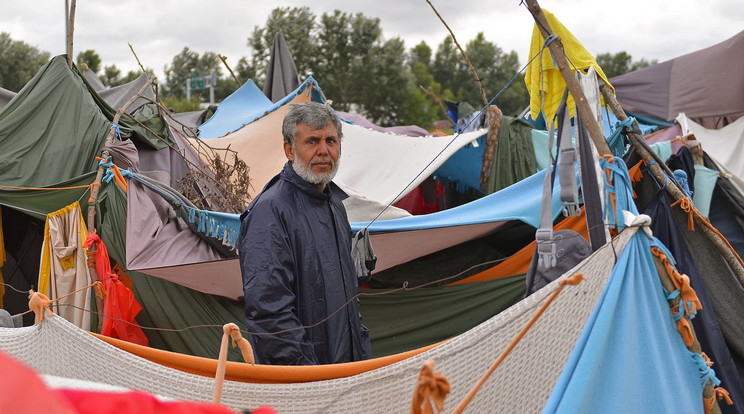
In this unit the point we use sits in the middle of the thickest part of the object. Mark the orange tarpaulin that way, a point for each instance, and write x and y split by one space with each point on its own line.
237 371
519 262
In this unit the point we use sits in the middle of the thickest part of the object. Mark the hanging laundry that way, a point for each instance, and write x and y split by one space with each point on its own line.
63 265
119 306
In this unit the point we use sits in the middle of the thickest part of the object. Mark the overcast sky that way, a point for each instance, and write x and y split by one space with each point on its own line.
158 30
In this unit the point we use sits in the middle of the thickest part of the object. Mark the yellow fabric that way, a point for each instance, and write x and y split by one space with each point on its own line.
551 81
2 262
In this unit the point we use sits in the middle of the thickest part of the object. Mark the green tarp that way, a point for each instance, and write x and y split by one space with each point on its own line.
405 320
55 127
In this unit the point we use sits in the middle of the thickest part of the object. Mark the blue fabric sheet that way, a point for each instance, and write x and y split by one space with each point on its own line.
464 167
630 358
705 183
246 105
520 201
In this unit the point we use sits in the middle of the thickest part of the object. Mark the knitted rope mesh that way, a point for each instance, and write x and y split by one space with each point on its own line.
522 383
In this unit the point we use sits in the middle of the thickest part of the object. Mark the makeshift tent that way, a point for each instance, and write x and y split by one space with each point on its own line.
686 84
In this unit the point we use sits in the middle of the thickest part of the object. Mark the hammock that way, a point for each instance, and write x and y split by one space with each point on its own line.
56 347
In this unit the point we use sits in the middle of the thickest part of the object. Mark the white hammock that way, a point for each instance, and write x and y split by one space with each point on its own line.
522 383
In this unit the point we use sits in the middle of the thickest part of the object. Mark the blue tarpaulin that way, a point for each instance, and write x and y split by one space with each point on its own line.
520 201
630 358
246 105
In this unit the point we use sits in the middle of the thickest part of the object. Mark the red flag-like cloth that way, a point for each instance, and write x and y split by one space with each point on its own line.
119 306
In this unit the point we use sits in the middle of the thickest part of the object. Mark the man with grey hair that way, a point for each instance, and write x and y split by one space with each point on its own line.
299 279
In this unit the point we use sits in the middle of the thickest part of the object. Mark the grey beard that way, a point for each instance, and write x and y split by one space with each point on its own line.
306 173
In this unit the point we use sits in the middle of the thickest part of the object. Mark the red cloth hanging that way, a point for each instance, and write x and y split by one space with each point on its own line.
119 306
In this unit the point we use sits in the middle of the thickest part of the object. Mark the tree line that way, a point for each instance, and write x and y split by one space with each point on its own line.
356 66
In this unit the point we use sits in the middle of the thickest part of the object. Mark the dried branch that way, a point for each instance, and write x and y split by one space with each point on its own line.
470 65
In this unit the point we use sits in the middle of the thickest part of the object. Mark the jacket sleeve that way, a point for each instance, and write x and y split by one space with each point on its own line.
267 267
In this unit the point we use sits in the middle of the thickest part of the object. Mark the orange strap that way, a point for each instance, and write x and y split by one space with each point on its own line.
432 388
572 280
718 393
687 296
686 205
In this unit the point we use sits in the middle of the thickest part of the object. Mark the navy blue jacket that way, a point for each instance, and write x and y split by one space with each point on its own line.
295 258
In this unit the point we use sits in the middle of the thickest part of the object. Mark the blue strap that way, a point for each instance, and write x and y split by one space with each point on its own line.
117 131
616 140
706 372
618 184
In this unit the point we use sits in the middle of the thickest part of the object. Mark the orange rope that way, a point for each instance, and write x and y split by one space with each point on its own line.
687 295
432 387
77 187
686 205
97 284
718 393
572 280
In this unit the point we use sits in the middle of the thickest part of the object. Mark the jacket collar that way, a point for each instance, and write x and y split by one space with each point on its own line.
331 191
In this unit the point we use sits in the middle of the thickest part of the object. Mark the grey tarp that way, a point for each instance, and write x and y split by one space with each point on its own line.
93 80
281 74
707 85
117 96
409 130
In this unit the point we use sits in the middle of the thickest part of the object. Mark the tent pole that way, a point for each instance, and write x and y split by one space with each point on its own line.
644 151
70 30
556 50
97 185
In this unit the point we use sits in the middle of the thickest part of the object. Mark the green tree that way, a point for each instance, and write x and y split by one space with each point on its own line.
19 62
420 53
297 25
389 88
111 76
181 68
447 69
493 67
182 104
91 59
244 70
619 63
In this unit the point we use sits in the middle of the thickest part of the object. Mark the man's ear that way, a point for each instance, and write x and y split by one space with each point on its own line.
288 151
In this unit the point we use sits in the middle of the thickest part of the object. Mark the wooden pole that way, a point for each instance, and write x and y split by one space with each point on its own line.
94 192
223 58
70 30
556 50
644 151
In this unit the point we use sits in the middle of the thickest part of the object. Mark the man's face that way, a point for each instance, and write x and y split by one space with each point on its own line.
315 154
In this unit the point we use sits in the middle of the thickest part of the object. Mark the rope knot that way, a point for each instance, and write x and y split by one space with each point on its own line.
39 302
686 205
572 280
431 389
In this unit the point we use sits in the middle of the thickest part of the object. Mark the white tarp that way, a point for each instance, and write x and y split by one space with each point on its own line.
725 145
